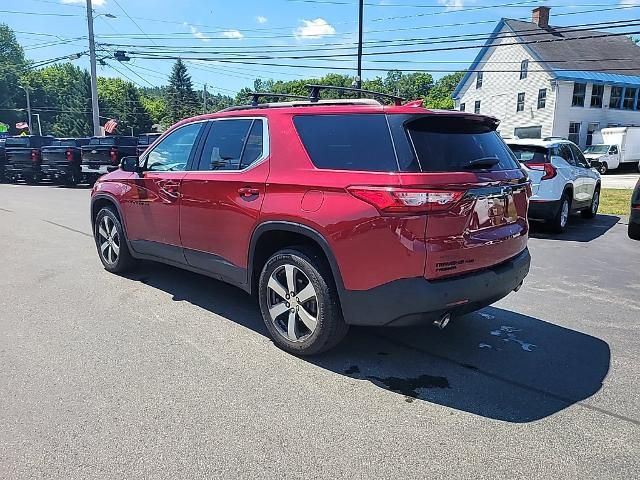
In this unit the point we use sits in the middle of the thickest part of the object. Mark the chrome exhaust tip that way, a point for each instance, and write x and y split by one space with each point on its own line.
443 321
518 287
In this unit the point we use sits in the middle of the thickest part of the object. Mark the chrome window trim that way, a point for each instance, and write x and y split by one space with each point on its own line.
265 146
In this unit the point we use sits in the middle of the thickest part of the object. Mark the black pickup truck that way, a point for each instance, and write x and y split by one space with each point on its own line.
144 140
24 157
104 152
61 161
3 159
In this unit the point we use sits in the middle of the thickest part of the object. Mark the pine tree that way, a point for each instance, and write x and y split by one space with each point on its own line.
182 101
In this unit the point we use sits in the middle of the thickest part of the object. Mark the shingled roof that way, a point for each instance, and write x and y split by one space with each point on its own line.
611 54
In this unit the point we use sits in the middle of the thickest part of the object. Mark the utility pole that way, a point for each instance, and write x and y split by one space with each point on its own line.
26 92
95 112
204 99
360 15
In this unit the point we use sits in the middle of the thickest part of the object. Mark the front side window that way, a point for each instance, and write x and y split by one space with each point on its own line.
476 107
579 92
574 132
520 104
542 98
596 96
173 152
463 107
225 144
524 69
616 97
629 101
479 78
613 150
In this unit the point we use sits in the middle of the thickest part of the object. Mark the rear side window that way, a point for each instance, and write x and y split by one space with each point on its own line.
225 144
454 144
530 153
348 142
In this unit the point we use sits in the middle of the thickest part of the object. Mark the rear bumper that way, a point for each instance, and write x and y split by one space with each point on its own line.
543 210
415 301
101 170
58 170
22 170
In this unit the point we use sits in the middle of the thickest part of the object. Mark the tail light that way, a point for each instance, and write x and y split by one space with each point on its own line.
114 156
69 155
34 155
549 170
404 200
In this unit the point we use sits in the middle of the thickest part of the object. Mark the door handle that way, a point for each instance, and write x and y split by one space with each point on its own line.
248 192
170 187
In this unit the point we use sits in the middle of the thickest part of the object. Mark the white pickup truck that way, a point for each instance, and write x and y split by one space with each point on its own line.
614 146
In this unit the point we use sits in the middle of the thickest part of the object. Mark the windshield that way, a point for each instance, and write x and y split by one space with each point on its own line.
530 153
18 142
102 141
597 149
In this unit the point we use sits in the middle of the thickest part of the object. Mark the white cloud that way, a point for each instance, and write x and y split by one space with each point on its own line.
197 33
95 3
261 19
232 34
452 4
317 28
625 3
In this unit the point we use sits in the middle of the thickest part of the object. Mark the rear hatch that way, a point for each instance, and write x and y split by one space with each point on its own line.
57 152
536 161
477 193
19 153
100 152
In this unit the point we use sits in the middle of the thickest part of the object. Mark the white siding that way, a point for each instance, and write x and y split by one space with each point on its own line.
566 114
499 92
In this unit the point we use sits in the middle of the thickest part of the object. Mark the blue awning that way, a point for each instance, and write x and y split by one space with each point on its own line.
598 77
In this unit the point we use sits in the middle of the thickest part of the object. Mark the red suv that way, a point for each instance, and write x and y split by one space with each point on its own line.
333 213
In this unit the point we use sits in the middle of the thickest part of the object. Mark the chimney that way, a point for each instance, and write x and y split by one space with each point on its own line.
540 16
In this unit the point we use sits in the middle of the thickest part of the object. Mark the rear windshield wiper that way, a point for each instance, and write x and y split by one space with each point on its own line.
484 162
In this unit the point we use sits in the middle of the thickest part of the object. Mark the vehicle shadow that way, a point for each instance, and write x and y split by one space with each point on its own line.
494 363
578 229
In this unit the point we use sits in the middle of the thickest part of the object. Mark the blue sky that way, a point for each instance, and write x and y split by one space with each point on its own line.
235 28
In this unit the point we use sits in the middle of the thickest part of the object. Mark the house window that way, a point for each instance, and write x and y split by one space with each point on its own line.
629 102
591 129
520 104
574 132
524 69
579 92
542 98
463 107
479 80
616 97
596 96
476 107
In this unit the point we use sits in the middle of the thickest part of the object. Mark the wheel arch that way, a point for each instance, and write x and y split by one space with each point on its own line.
102 200
272 235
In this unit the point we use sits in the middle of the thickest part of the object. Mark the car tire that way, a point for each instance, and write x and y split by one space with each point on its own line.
111 242
603 168
559 222
301 326
592 211
634 231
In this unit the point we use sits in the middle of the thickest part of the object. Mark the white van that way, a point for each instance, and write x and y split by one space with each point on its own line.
615 146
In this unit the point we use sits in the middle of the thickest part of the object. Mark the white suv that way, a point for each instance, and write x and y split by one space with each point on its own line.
561 178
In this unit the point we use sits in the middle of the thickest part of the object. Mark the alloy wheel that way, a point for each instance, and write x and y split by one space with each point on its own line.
595 202
564 214
109 240
292 302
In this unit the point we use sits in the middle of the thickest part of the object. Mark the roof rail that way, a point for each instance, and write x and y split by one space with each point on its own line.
305 103
255 96
314 94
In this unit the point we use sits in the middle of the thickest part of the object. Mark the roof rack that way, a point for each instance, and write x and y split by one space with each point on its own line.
314 94
305 103
255 96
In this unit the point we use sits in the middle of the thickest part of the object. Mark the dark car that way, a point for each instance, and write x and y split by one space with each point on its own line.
24 157
333 213
144 140
3 158
61 161
634 216
102 153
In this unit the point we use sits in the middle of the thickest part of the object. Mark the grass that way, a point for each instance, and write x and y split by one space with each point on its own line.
614 201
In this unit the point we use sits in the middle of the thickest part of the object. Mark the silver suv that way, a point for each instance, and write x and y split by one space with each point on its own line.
561 178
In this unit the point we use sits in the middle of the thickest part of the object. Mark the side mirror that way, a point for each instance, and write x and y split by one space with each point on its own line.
130 164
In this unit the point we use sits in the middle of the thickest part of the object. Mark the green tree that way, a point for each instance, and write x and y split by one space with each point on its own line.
121 99
440 95
12 66
181 100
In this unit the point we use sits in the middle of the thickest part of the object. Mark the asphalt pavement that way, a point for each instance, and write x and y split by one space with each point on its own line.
168 374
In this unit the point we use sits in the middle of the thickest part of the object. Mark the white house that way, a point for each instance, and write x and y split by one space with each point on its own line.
543 81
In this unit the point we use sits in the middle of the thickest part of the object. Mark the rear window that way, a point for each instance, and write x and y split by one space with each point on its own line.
102 141
17 142
348 142
452 144
64 143
530 153
147 139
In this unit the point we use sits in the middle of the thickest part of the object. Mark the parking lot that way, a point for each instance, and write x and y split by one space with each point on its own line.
165 373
